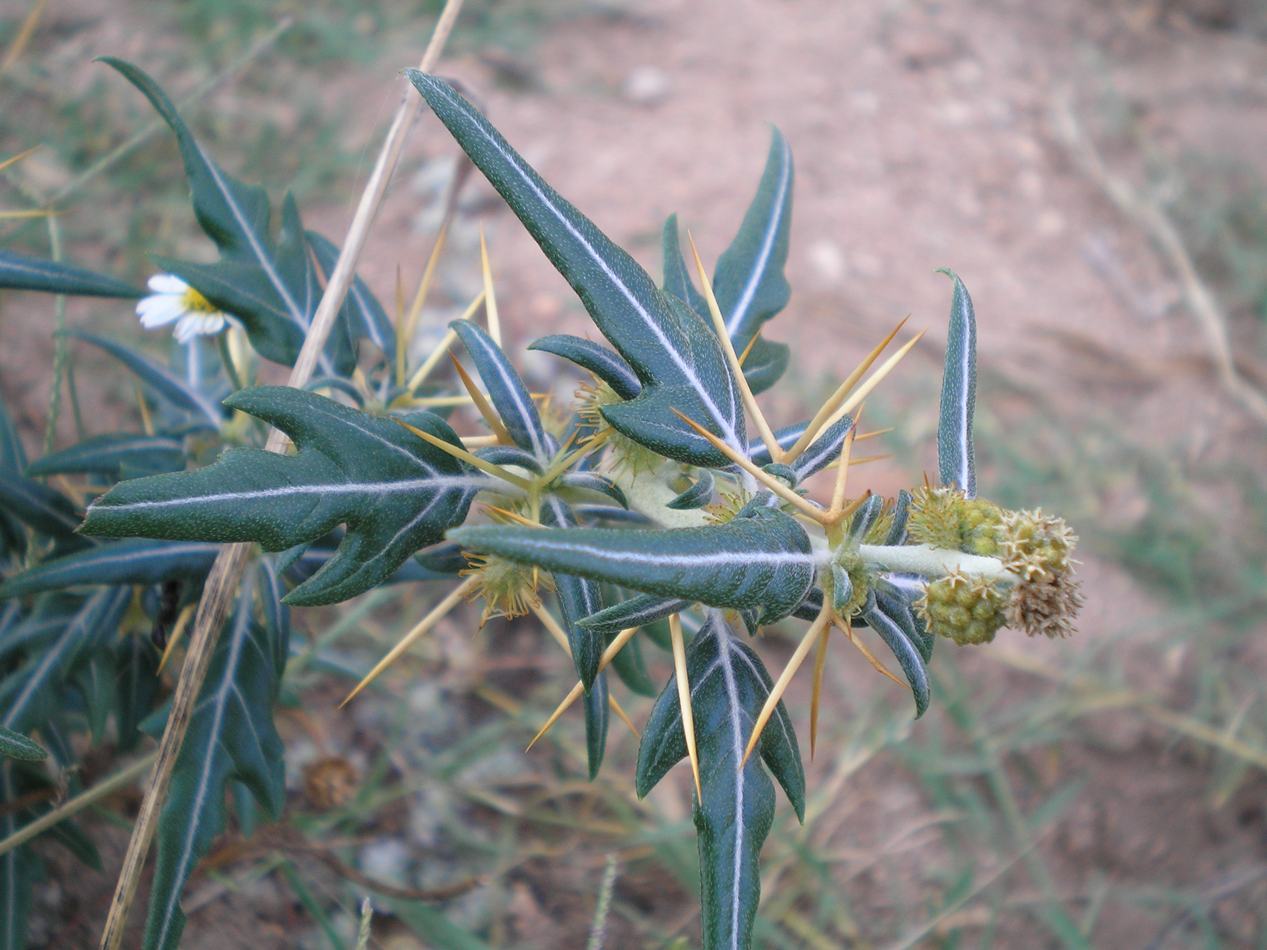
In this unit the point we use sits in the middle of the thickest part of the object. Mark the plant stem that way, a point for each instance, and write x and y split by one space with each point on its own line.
77 804
930 561
226 573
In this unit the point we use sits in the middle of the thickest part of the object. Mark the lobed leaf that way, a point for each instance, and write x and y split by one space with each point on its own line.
393 491
602 362
764 561
670 348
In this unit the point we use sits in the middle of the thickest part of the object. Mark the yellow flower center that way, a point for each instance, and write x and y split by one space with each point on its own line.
194 302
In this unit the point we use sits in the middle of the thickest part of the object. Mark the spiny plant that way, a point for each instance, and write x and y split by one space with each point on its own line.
646 506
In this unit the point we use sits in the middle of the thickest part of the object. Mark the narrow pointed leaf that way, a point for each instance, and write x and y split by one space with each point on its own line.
506 390
901 511
823 450
766 363
578 597
677 276
764 561
15 745
19 867
955 463
637 611
728 688
108 454
908 655
899 611
749 282
393 491
136 675
44 509
696 495
231 737
18 272
139 561
606 364
670 347
593 482
597 716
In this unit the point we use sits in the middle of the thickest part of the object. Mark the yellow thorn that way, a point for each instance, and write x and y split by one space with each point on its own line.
575 693
482 464
874 379
14 159
553 627
512 516
824 413
781 684
407 324
436 614
862 648
736 365
564 462
842 473
765 478
27 213
624 716
873 434
820 664
743 357
147 424
491 419
178 631
438 353
494 321
684 698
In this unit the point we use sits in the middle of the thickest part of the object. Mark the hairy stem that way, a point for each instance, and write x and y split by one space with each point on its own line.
930 561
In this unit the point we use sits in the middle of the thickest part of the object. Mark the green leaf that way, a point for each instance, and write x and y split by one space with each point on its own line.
729 685
593 482
696 495
15 745
506 391
749 282
170 387
44 509
231 737
906 652
763 562
637 611
596 720
766 363
18 272
395 492
362 314
955 464
139 561
602 362
578 598
632 668
95 683
670 347
29 693
107 454
678 279
19 868
270 287
136 673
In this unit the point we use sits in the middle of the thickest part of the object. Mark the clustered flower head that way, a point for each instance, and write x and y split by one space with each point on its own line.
1036 592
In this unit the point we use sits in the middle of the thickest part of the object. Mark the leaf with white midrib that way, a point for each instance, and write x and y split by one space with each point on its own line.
955 462
670 347
139 561
506 391
764 561
729 686
395 492
231 736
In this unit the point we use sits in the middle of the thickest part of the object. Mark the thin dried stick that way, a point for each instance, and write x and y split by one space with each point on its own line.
223 581
1148 215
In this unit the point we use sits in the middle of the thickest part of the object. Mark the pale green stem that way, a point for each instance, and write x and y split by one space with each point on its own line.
931 562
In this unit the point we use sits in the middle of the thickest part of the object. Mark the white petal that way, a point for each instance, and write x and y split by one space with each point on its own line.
187 327
158 310
167 284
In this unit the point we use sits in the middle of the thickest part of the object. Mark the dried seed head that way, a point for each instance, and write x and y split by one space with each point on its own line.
964 609
1046 603
946 518
330 782
1035 545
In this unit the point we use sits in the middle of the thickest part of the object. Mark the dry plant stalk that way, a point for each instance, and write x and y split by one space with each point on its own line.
226 573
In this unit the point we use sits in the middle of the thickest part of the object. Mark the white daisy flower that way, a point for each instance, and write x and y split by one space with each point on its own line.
174 301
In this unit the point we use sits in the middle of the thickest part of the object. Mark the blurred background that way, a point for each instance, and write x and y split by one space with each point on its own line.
1095 170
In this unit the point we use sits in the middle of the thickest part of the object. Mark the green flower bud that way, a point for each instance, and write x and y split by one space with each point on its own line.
964 609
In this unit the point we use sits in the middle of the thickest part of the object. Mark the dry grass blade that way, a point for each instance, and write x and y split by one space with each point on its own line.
819 421
736 364
785 678
225 577
684 698
14 159
762 476
575 693
424 626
